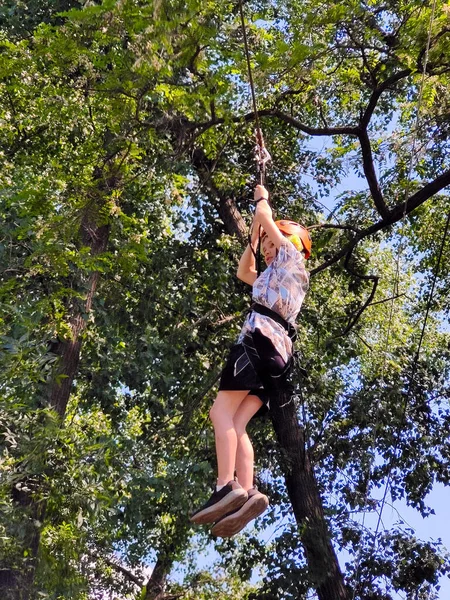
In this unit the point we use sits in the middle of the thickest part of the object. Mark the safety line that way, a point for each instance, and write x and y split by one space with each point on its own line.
395 293
400 250
259 137
414 368
250 76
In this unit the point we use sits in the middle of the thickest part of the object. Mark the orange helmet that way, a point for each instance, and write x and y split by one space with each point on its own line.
289 228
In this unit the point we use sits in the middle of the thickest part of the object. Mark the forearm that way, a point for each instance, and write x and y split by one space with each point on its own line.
247 264
247 260
264 215
263 212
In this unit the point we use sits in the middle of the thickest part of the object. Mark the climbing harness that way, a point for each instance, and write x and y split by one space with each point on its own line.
263 310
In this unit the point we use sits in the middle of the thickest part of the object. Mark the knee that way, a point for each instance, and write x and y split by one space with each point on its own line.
216 414
212 413
241 429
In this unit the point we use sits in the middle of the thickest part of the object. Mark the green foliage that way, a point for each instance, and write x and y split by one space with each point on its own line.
105 108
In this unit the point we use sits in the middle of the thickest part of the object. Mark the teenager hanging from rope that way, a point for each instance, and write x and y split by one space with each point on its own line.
257 366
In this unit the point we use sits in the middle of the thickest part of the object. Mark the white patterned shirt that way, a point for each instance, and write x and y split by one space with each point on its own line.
282 288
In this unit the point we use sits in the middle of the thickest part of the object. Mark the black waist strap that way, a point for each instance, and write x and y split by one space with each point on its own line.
268 312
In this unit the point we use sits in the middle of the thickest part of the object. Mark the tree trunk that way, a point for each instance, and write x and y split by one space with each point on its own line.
307 505
230 215
304 495
69 349
228 211
154 590
16 585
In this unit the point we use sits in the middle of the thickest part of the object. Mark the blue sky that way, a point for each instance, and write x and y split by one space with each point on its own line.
434 527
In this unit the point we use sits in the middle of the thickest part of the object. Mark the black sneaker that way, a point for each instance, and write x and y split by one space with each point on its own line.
236 520
230 497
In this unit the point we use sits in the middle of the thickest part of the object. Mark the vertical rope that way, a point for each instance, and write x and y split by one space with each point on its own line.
411 163
414 368
394 295
260 148
249 69
261 152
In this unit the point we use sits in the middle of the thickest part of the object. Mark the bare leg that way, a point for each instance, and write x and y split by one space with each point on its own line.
222 412
244 454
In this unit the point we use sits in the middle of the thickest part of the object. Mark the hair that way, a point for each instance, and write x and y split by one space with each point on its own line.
296 241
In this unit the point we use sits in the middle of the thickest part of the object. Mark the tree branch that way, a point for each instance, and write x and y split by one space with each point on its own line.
316 131
429 190
118 567
430 66
228 211
371 177
365 119
390 299
337 257
374 278
334 226
394 215
274 112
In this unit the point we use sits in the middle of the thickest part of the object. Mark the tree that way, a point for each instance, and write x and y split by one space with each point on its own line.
126 158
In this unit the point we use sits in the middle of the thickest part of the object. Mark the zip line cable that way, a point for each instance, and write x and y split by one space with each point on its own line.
394 295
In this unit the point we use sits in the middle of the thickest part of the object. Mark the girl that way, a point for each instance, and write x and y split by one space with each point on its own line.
257 365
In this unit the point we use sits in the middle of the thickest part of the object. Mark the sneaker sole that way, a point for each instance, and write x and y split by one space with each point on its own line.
231 501
231 525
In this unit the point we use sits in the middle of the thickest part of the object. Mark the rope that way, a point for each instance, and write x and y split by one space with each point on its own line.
407 397
257 253
394 295
249 69
414 367
416 357
261 153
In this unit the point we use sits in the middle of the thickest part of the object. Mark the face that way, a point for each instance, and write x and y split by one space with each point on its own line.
269 250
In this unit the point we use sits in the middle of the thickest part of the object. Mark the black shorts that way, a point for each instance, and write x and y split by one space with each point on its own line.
255 365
